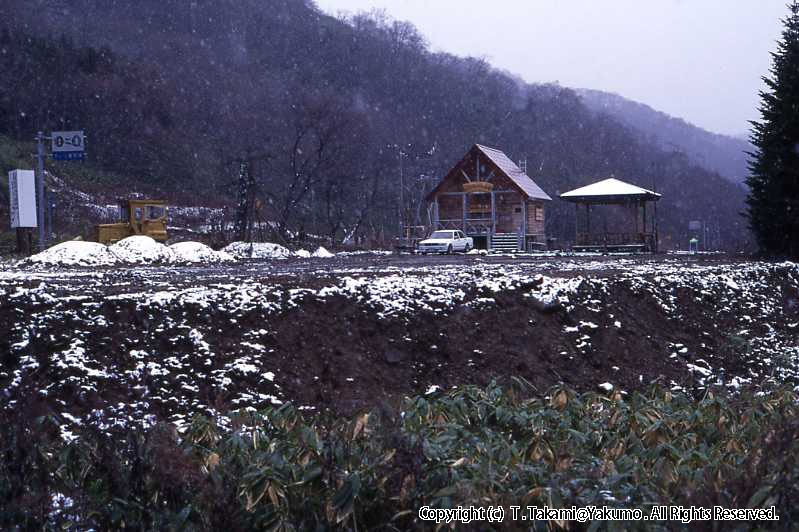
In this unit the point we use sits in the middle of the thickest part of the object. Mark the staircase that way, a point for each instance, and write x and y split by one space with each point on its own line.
505 242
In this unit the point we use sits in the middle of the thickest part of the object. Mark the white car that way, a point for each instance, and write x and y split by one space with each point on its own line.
446 242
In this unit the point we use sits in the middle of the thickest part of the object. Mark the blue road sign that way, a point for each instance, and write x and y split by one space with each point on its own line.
68 155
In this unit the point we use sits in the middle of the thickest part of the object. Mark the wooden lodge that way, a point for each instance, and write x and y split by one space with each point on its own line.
488 197
612 215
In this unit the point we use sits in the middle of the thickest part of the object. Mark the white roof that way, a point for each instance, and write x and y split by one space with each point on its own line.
610 187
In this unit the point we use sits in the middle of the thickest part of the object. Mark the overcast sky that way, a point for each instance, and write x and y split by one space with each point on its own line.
700 60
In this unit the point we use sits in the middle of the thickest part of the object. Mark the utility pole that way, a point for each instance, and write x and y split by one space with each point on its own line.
40 138
243 210
401 194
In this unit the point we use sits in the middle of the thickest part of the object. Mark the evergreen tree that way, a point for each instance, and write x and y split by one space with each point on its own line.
774 168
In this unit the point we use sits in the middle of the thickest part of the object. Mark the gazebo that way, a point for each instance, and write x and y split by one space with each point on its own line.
620 221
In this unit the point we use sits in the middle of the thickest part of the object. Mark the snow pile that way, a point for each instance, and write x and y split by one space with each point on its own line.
257 250
303 253
74 253
141 249
134 250
322 253
364 252
195 252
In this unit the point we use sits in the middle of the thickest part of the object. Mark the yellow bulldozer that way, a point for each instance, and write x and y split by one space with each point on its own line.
136 217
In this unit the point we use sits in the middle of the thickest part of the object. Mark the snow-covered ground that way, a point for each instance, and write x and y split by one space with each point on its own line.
67 323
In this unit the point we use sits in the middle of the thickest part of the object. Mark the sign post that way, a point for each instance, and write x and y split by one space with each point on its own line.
40 138
66 146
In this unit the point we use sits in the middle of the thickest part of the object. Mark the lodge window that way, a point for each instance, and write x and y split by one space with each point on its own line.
539 214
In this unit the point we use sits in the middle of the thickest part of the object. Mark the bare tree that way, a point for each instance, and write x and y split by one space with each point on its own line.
315 159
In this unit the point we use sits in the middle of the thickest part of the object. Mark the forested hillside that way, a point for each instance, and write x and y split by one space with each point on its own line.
176 94
721 153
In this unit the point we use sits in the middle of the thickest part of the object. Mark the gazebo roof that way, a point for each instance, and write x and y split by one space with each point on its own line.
609 190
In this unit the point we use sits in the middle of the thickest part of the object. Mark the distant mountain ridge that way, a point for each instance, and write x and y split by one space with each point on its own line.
720 153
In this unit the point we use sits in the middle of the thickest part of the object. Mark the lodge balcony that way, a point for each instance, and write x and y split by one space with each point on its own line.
469 226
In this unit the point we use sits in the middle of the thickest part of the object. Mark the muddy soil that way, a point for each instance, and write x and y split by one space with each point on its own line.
339 355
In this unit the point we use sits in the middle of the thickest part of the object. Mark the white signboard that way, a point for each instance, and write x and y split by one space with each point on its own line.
22 194
67 141
68 145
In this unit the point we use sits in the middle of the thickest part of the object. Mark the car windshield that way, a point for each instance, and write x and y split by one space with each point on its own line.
441 234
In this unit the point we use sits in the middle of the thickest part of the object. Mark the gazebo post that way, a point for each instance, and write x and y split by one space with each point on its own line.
643 203
655 227
588 220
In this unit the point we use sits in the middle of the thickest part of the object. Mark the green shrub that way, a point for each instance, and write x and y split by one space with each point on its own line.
280 469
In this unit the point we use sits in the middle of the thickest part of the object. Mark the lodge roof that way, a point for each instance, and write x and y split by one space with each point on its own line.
609 189
514 173
507 167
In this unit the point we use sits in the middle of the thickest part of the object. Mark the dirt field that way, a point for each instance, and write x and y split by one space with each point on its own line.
124 346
